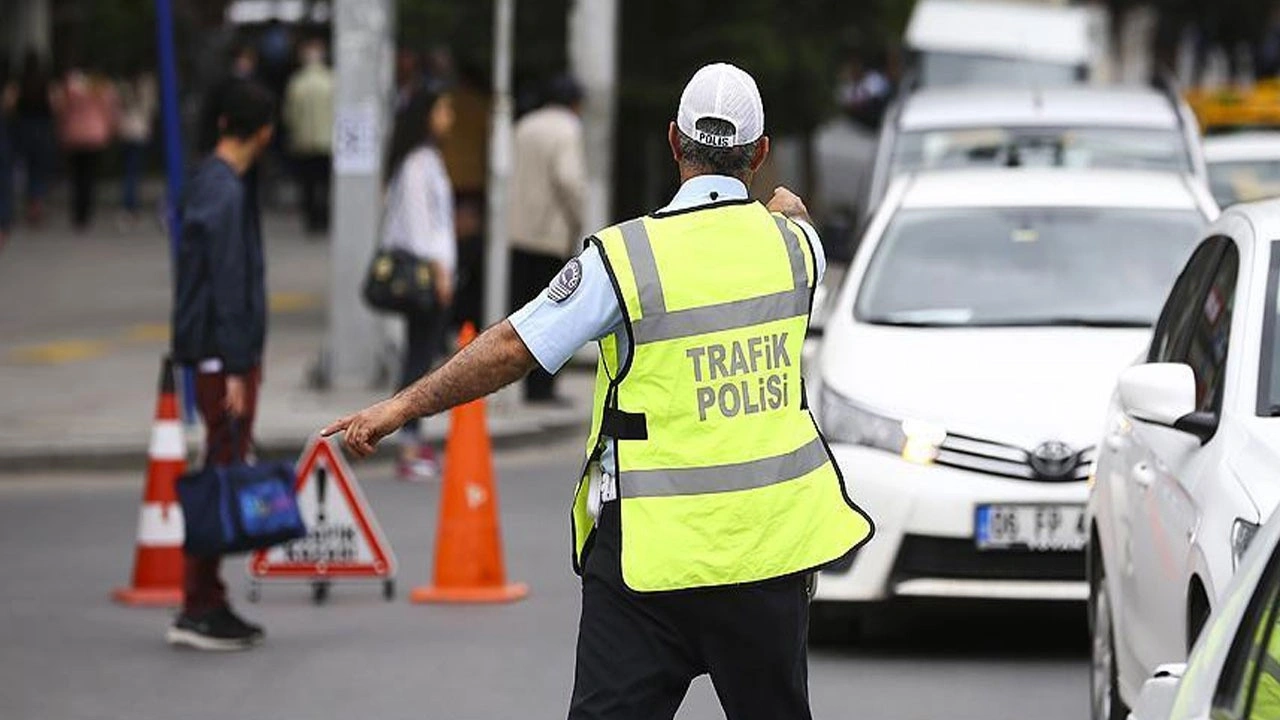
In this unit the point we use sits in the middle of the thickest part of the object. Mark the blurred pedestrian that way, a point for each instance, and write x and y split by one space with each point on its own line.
419 219
865 90
243 66
707 497
308 116
33 132
466 157
544 215
85 106
138 104
6 152
219 327
275 46
409 78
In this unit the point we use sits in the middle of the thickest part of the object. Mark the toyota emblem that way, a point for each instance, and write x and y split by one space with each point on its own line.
1053 460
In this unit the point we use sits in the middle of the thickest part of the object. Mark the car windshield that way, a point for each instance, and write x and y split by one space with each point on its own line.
944 68
1026 266
1245 181
1131 148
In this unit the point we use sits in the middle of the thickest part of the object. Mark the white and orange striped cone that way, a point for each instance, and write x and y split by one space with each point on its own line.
157 567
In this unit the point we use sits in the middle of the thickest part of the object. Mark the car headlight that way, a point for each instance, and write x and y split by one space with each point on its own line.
843 421
1242 532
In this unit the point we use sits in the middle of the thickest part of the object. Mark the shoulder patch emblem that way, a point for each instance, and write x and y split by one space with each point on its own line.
566 282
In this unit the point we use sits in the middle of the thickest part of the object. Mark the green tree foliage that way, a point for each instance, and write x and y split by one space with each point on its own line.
117 36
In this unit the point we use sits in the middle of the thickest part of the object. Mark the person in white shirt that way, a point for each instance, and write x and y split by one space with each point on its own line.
419 218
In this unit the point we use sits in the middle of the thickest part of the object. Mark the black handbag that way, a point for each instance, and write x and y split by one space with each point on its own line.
400 282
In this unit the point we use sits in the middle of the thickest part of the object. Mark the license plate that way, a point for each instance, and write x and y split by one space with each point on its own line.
1030 527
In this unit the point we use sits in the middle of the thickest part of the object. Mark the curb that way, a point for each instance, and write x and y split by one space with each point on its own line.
506 436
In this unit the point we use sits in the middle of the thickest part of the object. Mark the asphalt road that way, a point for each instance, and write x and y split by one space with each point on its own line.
67 652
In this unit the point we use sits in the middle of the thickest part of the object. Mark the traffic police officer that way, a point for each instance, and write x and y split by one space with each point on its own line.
708 496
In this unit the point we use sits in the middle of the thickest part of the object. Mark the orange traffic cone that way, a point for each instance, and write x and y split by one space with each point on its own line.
469 567
157 567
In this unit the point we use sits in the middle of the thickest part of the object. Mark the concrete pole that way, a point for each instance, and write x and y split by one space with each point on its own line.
593 59
363 48
496 260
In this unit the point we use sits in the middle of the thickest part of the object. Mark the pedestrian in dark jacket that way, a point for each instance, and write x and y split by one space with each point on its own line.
219 326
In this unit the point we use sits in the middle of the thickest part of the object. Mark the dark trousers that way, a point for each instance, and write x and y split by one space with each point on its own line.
530 274
83 165
203 590
468 297
34 147
6 176
423 338
637 653
132 155
313 181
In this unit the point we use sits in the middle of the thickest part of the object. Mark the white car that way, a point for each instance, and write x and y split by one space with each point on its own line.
1187 464
963 42
1243 167
966 362
1123 128
1234 671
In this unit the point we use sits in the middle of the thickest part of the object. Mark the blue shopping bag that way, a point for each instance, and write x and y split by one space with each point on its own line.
237 508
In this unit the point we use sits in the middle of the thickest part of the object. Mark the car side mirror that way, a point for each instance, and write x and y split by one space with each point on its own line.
1158 692
1165 394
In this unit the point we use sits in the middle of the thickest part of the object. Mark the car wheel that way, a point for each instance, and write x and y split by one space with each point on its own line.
834 624
1104 682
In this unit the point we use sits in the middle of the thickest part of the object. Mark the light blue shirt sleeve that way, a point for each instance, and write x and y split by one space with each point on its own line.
553 331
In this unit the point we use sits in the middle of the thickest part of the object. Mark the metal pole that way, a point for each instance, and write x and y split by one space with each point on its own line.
362 60
171 132
496 261
593 56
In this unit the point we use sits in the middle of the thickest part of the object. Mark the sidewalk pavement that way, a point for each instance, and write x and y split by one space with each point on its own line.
85 323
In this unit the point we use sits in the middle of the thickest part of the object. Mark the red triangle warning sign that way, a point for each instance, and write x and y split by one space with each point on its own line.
343 539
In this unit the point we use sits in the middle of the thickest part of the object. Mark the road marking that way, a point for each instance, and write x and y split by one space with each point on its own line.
59 352
292 302
149 332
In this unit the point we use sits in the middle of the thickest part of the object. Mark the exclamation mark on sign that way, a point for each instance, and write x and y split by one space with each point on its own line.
321 484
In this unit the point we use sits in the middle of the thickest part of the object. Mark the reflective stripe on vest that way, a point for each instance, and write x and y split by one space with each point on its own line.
724 479
728 477
656 324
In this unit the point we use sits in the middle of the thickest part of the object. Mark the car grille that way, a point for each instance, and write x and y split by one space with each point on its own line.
1011 461
934 557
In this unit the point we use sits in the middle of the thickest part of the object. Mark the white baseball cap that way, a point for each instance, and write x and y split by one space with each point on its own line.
723 92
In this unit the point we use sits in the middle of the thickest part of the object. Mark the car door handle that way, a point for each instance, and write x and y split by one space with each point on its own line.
1143 474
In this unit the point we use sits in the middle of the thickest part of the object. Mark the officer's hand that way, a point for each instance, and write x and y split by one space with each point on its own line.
788 203
362 431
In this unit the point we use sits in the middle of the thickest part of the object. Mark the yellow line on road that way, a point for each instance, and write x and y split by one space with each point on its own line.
149 332
68 351
58 353
292 302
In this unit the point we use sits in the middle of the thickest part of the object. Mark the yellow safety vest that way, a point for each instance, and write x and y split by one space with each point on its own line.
723 477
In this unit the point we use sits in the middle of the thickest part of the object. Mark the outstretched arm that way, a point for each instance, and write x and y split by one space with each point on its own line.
495 359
